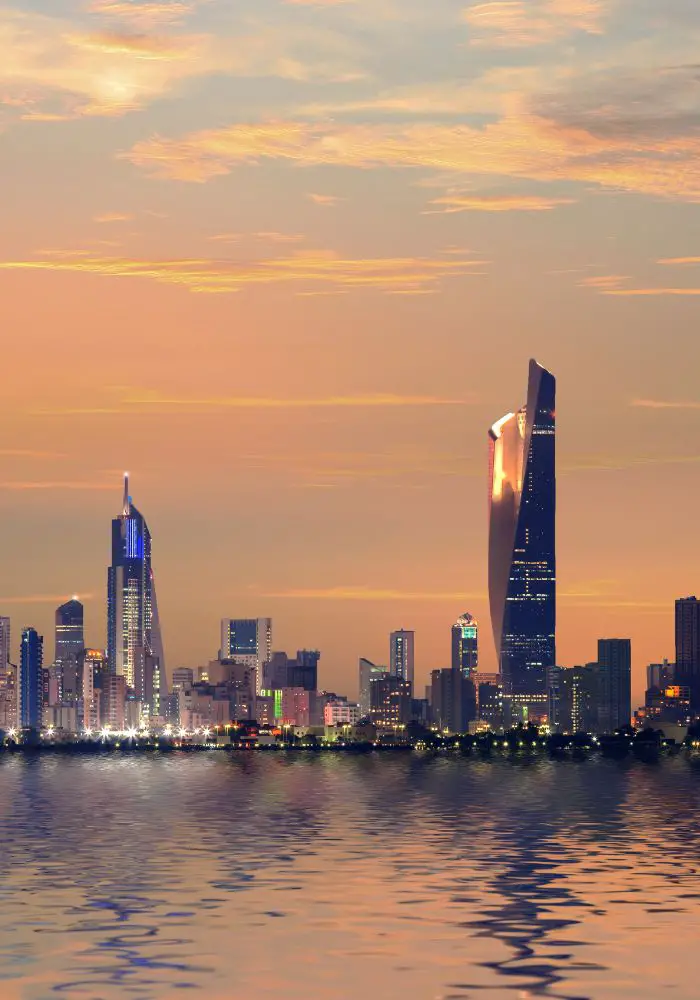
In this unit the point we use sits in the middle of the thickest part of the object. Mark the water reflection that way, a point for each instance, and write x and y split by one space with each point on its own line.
310 874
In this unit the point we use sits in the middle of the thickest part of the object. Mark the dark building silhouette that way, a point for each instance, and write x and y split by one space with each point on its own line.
31 679
282 672
687 673
465 645
578 699
490 698
614 670
452 700
522 549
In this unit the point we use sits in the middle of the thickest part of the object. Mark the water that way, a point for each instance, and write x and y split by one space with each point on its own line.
337 878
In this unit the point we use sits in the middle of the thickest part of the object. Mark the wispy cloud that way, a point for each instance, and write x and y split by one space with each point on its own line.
324 200
30 453
603 282
546 146
451 203
106 217
525 23
652 292
367 593
671 261
144 13
58 485
54 599
666 404
153 401
312 268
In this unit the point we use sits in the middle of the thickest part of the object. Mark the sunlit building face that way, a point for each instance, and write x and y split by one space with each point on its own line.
522 552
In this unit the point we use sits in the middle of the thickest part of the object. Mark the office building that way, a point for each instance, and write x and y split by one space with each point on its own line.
522 554
5 647
687 672
135 645
401 655
182 677
69 643
489 693
390 702
452 700
248 641
368 672
465 645
578 699
614 669
31 679
341 713
660 675
114 701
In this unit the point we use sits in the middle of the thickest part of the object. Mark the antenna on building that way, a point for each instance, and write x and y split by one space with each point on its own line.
127 499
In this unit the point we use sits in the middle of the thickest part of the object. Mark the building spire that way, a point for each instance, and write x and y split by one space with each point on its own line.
126 510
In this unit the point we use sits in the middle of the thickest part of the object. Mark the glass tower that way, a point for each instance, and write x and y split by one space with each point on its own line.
522 553
31 679
247 641
134 642
465 645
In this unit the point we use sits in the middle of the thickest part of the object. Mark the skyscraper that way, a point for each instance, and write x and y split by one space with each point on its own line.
614 684
401 655
134 641
465 645
31 679
522 554
687 673
5 650
247 641
70 642
368 672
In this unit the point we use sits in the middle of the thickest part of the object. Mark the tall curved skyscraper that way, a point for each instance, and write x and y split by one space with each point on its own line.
134 642
522 546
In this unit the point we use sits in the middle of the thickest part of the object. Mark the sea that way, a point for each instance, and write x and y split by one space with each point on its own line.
321 876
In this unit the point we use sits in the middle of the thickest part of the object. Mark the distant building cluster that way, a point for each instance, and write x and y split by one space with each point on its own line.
125 685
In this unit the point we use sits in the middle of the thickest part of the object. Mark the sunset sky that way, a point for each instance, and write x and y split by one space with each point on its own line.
287 261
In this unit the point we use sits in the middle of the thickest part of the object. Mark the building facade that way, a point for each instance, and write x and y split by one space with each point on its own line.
687 672
402 655
614 669
452 700
69 643
465 645
135 645
5 644
522 544
248 641
391 702
31 679
368 672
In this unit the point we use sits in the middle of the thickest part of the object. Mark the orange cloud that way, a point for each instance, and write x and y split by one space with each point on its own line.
314 267
603 282
449 204
143 13
652 292
43 599
524 23
112 217
664 404
520 146
678 260
324 200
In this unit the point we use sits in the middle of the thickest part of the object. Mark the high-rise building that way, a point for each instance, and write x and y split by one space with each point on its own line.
31 679
522 552
452 700
135 645
5 649
614 684
69 643
391 702
660 675
368 672
465 645
247 641
688 649
183 677
578 699
401 655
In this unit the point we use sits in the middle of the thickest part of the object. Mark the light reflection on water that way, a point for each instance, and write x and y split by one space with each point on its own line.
330 877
